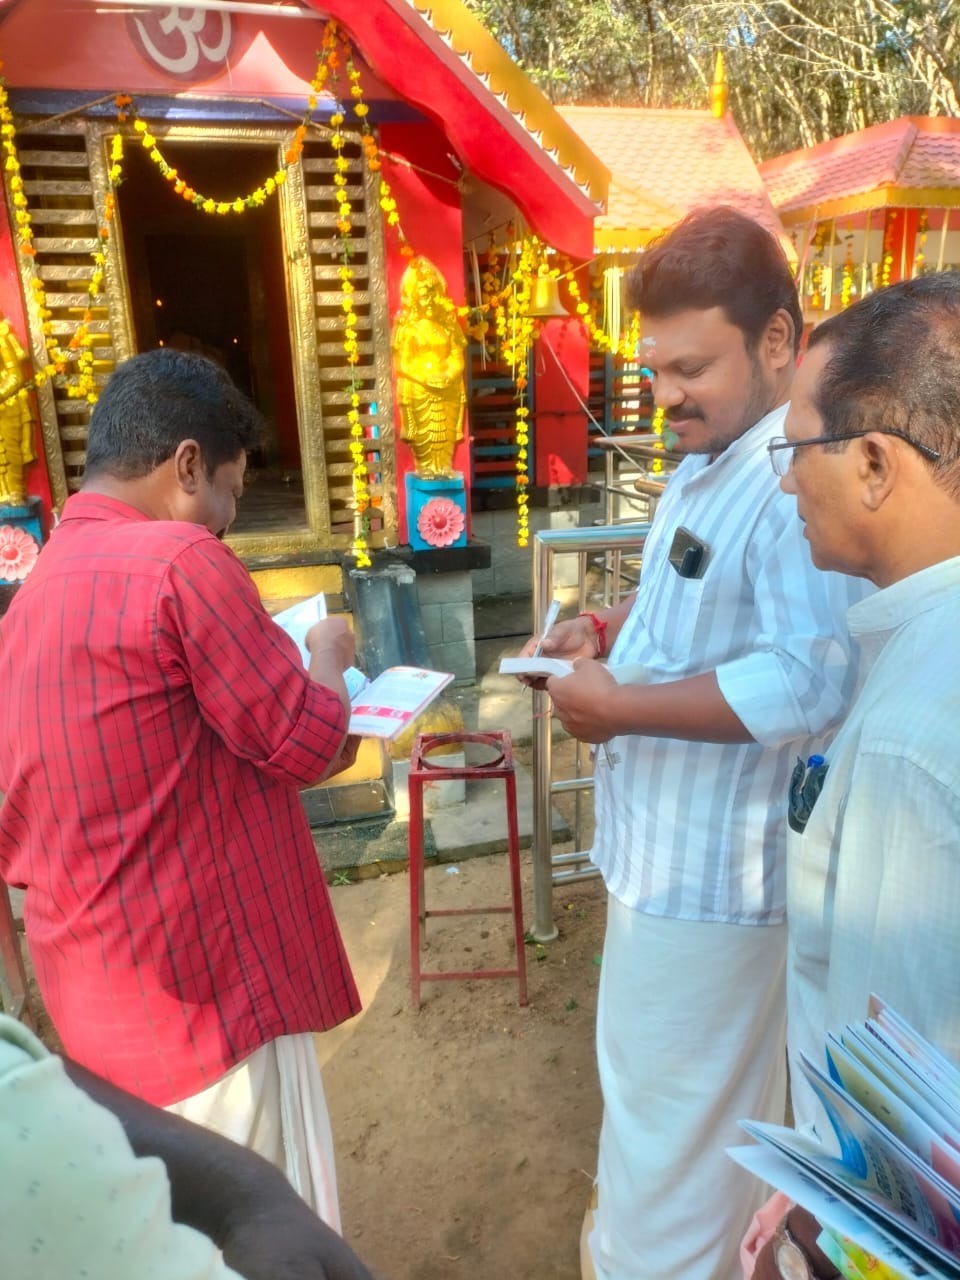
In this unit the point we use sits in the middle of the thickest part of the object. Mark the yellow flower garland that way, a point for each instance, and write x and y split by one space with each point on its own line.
846 280
362 500
79 349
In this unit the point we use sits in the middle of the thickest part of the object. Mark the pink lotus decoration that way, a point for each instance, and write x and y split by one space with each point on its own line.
18 553
440 522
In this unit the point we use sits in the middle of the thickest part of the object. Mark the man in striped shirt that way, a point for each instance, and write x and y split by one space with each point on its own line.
155 727
747 663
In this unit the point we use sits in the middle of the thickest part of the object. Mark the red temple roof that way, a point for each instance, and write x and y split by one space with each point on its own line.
664 163
913 160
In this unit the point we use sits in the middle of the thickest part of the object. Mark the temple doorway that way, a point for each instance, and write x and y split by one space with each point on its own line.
216 285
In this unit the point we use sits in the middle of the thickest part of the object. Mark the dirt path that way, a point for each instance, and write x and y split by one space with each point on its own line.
466 1133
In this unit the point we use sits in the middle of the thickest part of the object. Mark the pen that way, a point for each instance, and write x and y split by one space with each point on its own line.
553 612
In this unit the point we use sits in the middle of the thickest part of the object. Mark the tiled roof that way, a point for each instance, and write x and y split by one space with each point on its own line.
665 163
914 152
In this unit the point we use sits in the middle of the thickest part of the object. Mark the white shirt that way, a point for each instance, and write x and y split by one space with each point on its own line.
874 880
75 1201
696 830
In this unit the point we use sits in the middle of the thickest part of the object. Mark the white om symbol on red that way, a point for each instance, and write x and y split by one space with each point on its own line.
184 41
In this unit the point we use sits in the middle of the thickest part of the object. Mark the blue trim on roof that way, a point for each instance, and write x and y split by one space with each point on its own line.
52 102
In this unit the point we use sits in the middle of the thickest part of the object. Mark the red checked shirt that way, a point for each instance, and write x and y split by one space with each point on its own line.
155 726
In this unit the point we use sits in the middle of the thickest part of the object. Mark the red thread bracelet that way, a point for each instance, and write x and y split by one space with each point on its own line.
600 628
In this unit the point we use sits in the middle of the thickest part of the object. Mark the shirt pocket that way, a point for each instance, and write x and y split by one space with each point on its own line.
676 626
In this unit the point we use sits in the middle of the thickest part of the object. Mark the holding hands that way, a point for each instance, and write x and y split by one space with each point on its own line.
584 700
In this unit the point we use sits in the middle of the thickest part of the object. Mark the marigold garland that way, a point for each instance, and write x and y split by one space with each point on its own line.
656 426
889 238
517 345
351 347
920 256
846 282
626 348
79 349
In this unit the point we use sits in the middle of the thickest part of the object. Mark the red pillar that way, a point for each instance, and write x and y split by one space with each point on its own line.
561 375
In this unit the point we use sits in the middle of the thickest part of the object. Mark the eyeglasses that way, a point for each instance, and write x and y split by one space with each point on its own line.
781 450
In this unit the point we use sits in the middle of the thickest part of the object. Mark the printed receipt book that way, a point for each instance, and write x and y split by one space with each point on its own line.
387 705
380 708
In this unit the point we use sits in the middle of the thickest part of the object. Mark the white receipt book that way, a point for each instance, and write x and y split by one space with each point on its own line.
299 618
387 705
380 708
544 667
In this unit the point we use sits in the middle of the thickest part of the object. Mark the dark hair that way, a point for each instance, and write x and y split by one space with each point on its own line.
154 401
894 361
718 258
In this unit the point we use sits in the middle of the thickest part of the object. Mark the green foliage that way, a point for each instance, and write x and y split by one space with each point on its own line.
800 71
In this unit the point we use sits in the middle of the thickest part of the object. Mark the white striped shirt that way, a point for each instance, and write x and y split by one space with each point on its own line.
696 830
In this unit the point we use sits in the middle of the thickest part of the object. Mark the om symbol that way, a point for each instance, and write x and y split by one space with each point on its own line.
184 41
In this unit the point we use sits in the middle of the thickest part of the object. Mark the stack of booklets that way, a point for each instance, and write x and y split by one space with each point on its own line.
890 1203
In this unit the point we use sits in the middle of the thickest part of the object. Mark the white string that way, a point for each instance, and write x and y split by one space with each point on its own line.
586 409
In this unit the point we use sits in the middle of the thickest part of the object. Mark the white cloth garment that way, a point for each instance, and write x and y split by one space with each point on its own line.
874 880
74 1199
696 830
273 1102
670 1199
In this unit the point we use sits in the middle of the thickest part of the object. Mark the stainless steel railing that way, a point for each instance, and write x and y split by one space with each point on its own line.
612 542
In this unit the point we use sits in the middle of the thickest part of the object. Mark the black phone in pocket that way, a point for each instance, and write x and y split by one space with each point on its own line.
688 554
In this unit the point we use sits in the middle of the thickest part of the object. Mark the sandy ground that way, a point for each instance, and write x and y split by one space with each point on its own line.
466 1132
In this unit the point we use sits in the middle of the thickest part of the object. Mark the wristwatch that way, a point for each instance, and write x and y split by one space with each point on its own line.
792 1259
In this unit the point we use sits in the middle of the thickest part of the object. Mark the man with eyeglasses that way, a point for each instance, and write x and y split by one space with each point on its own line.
746 656
872 454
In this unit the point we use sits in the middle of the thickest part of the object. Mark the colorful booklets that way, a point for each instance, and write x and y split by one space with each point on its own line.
890 1202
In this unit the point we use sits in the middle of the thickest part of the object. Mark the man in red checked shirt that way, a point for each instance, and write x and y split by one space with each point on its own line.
155 727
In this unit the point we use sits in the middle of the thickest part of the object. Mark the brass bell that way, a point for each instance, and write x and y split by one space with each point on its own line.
545 298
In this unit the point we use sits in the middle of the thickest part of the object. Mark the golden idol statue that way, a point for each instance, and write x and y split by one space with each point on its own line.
428 353
16 421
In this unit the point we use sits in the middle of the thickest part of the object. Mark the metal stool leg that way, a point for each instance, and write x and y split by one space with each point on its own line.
422 770
417 896
513 846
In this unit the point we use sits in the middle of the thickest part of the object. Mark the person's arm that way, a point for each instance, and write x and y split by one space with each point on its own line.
578 637
215 638
594 708
231 1195
792 680
331 649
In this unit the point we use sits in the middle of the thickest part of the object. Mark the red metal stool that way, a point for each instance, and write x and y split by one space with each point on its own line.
423 770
